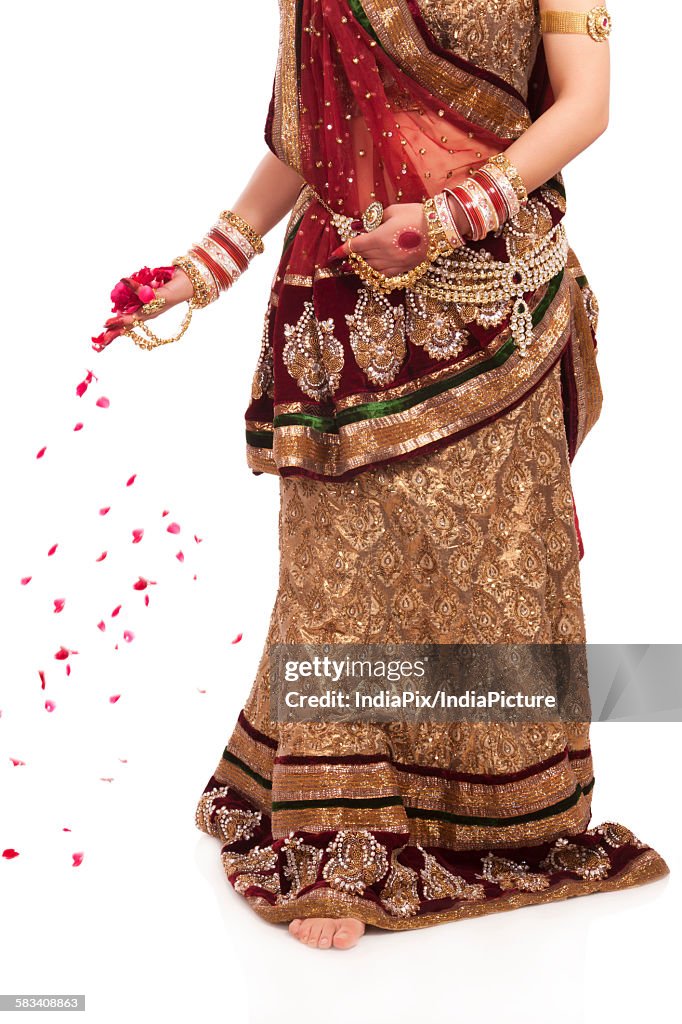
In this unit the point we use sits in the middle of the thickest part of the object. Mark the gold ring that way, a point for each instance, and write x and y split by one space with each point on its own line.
350 248
152 307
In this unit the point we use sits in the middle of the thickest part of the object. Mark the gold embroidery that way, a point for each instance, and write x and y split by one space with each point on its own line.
499 35
377 336
585 861
399 895
509 874
228 824
435 326
263 380
615 835
312 354
301 865
440 884
357 860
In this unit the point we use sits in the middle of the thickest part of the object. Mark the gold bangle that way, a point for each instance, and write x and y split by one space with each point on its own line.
248 232
502 161
596 23
202 295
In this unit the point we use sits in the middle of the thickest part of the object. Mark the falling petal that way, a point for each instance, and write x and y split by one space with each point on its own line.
77 859
106 778
79 426
116 610
68 669
52 549
102 402
101 557
115 647
116 696
146 600
25 580
123 760
42 451
140 584
173 528
237 638
62 654
195 576
66 830
128 636
59 603
81 389
137 536
180 557
103 511
100 625
50 705
16 762
166 512
201 691
9 854
131 480
198 539
42 678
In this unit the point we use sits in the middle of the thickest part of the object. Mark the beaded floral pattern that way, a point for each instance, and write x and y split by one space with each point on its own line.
377 336
356 861
435 326
313 355
587 862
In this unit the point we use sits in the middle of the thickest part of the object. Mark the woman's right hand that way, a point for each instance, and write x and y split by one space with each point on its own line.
178 289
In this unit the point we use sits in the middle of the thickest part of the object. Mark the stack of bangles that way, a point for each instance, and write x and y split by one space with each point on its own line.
212 265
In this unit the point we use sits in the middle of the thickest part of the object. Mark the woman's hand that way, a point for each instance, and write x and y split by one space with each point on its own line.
397 245
178 289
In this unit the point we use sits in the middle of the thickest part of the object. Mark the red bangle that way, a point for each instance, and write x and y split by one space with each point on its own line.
233 251
493 193
474 215
222 277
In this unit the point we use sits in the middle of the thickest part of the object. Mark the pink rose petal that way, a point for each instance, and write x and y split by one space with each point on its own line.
106 778
116 610
62 654
123 760
165 512
79 426
198 539
146 600
42 678
25 580
137 536
103 402
50 705
10 854
42 451
52 549
173 528
201 691
68 669
59 603
16 762
77 859
103 511
237 638
66 829
101 557
116 696
131 480
128 636
180 557
142 584
100 625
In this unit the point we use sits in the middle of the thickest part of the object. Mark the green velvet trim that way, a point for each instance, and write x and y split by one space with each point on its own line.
377 801
259 438
229 756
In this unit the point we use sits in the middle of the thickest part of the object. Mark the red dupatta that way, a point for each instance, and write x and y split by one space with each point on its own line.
366 106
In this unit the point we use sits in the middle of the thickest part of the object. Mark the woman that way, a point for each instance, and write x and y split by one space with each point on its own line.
427 373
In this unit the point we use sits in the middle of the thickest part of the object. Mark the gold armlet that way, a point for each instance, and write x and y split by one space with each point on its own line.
596 23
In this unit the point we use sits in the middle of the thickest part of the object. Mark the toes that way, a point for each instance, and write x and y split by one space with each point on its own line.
327 934
315 932
347 934
304 931
295 926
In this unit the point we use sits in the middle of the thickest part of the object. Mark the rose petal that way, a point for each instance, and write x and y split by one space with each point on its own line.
79 426
62 653
116 696
66 830
68 669
59 603
101 557
146 600
41 452
50 705
180 557
77 859
131 480
103 511
116 610
42 678
194 577
52 549
137 536
173 528
25 580
106 778
103 402
146 294
198 539
165 512
16 762
123 760
100 625
9 854
128 636
201 691
237 638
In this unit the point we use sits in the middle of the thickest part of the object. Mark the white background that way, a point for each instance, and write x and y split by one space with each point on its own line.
127 127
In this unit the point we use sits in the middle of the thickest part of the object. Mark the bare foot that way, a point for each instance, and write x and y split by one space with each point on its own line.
324 932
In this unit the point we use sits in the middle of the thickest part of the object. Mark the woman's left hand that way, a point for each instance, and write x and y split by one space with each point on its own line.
398 245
